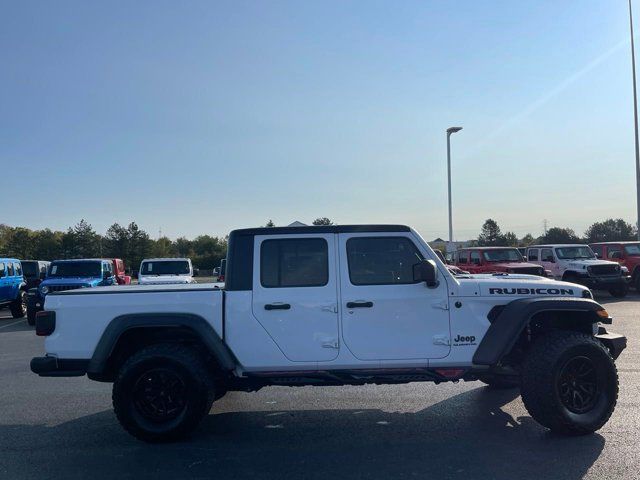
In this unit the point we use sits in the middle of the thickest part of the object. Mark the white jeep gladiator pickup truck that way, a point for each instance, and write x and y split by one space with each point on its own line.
333 305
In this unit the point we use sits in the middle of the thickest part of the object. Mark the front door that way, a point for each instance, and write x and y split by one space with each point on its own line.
295 294
5 284
385 314
548 262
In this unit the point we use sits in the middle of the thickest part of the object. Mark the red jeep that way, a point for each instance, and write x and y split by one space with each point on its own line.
627 254
118 270
495 260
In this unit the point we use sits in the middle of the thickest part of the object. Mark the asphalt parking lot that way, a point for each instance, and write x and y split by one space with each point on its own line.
64 428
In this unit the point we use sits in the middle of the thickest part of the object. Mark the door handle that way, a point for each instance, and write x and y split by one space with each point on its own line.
277 306
359 304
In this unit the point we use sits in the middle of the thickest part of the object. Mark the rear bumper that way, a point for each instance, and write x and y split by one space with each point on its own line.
614 342
59 367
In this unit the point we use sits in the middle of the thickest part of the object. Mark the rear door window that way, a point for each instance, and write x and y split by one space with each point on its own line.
10 269
299 262
18 268
463 257
532 254
475 257
3 273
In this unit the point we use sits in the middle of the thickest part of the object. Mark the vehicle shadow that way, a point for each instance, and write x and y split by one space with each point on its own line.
467 436
8 325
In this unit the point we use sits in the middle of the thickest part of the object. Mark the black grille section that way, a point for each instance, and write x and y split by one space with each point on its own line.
604 269
528 270
62 288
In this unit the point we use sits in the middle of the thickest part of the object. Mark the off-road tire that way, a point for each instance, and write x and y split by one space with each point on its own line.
619 292
19 306
501 382
31 316
182 364
543 376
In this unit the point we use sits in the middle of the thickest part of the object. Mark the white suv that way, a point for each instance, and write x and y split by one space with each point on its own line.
578 264
162 271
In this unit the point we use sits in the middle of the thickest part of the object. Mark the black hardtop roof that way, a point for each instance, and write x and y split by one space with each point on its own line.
69 260
321 229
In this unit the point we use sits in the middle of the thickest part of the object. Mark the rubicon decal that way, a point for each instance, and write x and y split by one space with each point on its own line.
530 291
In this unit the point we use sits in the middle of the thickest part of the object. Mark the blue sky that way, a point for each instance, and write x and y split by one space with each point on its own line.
201 117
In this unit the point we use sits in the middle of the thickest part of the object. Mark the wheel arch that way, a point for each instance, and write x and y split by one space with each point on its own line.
126 334
534 315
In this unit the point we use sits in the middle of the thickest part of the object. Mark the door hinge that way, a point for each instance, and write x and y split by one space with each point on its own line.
442 305
441 340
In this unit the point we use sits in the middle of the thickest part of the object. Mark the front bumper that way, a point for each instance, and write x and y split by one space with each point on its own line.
604 283
614 342
35 302
59 367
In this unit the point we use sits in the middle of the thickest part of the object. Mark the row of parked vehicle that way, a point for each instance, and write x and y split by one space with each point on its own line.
609 266
24 284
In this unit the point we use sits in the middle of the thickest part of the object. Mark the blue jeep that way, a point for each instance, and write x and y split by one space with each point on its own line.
12 287
69 275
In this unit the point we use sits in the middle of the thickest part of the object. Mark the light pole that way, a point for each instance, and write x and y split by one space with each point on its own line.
635 121
450 131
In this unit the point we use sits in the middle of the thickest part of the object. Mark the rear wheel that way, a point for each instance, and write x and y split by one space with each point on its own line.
19 306
31 315
569 383
162 392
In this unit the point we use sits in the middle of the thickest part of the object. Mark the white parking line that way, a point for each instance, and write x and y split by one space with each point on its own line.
14 323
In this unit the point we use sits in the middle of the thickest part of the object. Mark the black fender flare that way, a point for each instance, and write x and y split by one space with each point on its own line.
119 325
511 321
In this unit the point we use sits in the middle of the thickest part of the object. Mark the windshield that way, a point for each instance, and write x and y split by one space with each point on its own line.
574 253
503 255
30 269
75 269
178 267
633 249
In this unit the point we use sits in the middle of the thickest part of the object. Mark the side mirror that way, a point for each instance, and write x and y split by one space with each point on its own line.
597 255
427 272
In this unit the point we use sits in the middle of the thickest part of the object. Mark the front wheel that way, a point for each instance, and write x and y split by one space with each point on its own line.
619 292
501 382
569 383
19 306
162 392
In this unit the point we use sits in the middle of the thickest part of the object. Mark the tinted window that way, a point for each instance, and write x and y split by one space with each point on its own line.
597 249
475 257
614 248
382 261
503 255
299 262
18 268
166 267
463 257
10 269
30 269
546 255
75 269
532 254
633 249
574 253
2 272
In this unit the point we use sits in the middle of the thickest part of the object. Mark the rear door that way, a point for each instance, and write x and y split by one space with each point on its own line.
385 314
295 294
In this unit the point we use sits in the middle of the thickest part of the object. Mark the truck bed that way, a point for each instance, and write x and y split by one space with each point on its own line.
87 312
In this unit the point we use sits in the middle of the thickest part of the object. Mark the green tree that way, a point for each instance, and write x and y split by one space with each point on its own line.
19 243
139 245
270 224
490 234
183 247
610 231
116 242
527 240
163 247
322 221
47 245
81 241
560 235
510 239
